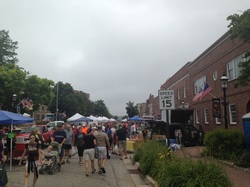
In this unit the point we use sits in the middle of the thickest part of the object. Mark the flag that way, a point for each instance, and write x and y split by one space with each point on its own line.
23 103
27 103
198 94
206 90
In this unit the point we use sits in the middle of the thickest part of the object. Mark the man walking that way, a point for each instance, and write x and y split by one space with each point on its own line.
121 135
102 141
59 136
68 142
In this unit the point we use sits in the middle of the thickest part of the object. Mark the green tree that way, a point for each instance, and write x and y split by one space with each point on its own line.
70 100
12 81
83 103
38 90
101 109
131 109
7 49
66 99
240 28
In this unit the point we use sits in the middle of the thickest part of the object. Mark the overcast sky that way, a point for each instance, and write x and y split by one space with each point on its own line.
115 50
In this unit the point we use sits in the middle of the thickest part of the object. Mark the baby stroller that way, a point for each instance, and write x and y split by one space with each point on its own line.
51 161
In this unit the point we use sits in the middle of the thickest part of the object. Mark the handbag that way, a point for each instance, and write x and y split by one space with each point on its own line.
3 177
96 152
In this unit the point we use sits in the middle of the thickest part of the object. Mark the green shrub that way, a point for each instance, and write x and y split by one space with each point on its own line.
146 153
190 173
224 144
138 152
157 161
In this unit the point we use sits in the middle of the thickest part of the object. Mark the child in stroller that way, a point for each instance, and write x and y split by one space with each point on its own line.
51 159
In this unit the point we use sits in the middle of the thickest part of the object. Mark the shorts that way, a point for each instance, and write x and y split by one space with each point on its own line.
62 152
67 146
122 144
89 154
80 150
102 152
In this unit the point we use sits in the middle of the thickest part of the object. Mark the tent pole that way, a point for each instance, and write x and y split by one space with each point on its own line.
11 130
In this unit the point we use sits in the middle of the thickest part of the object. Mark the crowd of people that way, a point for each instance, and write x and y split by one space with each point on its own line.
84 138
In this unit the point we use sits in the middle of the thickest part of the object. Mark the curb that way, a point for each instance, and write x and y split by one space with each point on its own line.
149 180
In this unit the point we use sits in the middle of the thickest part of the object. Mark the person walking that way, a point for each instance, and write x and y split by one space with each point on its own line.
89 151
110 137
2 157
59 136
33 160
68 142
38 137
121 135
79 144
102 141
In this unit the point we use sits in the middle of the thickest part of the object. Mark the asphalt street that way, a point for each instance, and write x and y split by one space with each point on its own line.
120 173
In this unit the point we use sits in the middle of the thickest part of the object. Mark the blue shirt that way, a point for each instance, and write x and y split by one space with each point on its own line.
59 136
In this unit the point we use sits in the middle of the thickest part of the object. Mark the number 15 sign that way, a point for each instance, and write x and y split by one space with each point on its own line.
166 99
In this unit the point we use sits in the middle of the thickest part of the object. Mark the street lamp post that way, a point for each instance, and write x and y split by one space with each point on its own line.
183 104
14 103
223 81
57 101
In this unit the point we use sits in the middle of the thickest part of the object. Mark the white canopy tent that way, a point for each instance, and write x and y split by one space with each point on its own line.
93 118
74 117
103 119
112 120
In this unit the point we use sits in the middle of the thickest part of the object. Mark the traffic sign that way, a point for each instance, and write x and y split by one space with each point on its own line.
166 99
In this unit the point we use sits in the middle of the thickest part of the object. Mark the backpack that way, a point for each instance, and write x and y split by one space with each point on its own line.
3 176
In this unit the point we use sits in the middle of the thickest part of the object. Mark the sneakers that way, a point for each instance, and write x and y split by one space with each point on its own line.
103 170
80 163
100 172
93 171
68 161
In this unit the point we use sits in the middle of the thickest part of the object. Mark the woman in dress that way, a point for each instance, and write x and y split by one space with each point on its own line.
33 160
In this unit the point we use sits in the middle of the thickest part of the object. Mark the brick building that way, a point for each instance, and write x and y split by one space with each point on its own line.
223 56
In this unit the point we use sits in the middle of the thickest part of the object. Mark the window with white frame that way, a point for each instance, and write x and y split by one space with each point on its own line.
197 116
233 69
199 84
206 119
184 92
218 120
232 114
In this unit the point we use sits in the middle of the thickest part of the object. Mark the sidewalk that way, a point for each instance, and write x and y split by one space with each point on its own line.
240 177
120 173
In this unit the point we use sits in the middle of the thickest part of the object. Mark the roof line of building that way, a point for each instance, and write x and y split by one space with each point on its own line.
209 49
177 81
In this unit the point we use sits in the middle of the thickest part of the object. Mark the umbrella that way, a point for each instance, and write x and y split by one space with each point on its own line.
10 118
83 119
135 118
